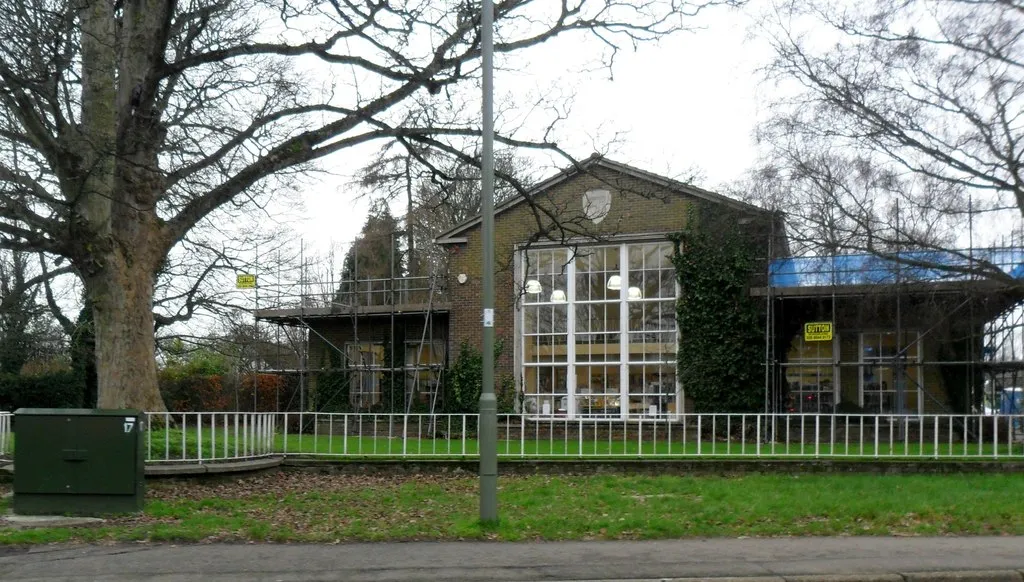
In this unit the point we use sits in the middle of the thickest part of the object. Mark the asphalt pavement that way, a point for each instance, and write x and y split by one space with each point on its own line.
806 559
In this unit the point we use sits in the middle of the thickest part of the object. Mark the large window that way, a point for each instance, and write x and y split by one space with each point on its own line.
598 331
366 365
810 377
890 375
423 364
545 332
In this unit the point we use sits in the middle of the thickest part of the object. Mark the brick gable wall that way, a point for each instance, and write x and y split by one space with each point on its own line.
638 209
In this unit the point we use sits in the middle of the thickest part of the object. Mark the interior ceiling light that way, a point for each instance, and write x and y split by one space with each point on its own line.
635 293
558 296
614 282
533 287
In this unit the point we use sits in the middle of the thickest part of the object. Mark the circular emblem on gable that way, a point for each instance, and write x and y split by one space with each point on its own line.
596 204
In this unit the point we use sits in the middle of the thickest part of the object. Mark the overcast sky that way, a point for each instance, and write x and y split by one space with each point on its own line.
689 101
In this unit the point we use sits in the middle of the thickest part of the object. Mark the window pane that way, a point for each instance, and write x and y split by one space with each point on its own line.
596 317
652 316
547 269
598 347
545 390
652 390
890 382
595 266
597 391
544 349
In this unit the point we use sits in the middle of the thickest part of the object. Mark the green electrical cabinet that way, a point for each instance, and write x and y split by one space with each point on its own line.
70 461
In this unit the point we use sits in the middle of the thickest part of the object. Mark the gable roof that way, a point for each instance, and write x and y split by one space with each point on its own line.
454 235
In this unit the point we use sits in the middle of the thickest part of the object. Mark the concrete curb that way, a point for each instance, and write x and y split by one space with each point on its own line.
212 468
624 466
971 575
945 576
686 467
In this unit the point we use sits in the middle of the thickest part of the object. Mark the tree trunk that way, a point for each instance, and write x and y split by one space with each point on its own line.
122 297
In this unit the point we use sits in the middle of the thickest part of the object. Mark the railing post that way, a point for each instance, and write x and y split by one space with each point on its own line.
743 434
167 436
995 436
817 435
757 448
284 443
640 436
877 419
522 435
184 432
580 435
699 451
199 436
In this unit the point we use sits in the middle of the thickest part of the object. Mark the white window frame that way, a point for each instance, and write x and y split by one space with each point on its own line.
821 363
570 365
914 363
362 372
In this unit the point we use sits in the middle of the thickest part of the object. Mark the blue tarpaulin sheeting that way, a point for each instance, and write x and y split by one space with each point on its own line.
912 266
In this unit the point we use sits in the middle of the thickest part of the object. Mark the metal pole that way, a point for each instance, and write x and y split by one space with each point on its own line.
391 299
256 327
488 403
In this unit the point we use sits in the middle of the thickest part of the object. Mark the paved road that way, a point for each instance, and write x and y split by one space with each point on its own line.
478 561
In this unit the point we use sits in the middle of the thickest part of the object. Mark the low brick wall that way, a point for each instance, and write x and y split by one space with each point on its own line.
652 467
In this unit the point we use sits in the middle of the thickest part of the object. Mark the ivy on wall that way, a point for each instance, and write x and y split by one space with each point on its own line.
465 378
721 327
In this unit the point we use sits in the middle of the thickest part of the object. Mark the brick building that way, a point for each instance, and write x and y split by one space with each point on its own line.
585 312
585 301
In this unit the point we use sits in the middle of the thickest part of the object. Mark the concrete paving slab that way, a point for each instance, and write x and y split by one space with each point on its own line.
973 576
848 559
36 521
213 467
847 578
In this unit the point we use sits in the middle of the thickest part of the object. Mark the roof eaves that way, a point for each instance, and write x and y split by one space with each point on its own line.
449 237
680 186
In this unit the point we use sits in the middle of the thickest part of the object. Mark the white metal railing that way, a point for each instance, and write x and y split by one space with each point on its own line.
364 293
198 437
685 436
6 442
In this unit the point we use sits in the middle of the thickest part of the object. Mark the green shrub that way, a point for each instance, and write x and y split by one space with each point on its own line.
193 393
59 390
465 378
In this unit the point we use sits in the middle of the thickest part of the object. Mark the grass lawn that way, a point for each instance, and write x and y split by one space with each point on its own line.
308 507
169 445
559 447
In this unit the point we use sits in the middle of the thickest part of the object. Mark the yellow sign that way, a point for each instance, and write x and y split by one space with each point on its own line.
818 331
245 281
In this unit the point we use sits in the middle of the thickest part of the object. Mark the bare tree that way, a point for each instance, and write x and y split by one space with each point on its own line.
132 121
440 191
899 123
27 328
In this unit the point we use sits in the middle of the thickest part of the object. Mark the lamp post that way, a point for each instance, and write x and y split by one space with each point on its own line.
488 403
